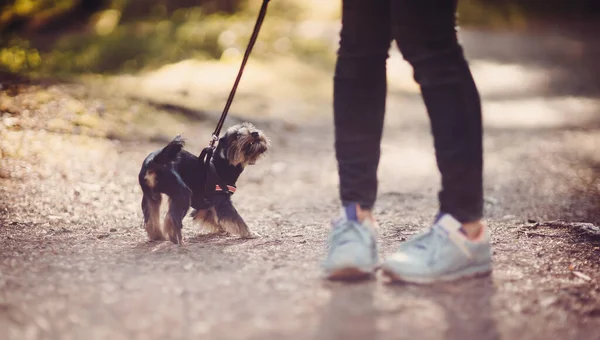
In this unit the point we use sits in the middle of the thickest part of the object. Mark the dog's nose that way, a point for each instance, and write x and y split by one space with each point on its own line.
254 134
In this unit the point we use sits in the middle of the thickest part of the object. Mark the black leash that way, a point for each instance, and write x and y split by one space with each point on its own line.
207 152
253 37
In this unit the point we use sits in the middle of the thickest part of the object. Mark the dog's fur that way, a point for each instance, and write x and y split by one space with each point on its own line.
188 181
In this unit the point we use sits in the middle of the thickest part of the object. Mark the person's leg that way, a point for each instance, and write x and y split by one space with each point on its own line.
359 98
425 33
359 107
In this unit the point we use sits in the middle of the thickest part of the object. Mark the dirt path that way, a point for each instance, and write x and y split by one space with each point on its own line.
75 264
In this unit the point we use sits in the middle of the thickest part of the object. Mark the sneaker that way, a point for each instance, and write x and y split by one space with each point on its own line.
441 253
352 252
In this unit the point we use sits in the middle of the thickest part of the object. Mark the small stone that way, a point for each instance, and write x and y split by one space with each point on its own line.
548 301
491 200
582 276
112 230
10 122
101 236
589 228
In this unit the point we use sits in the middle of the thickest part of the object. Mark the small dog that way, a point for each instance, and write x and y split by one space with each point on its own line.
188 181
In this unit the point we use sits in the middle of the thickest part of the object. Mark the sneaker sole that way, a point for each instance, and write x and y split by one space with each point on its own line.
471 272
349 274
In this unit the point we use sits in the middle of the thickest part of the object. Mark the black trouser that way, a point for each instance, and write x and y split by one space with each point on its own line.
424 31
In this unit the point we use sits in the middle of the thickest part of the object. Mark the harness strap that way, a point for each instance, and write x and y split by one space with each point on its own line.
212 176
230 188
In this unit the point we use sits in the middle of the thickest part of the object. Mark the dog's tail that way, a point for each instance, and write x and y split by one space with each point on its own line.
170 152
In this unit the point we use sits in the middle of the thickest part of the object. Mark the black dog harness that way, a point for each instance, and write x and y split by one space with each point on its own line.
213 184
229 188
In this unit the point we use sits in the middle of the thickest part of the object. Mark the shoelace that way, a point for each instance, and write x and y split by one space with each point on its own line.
433 239
420 240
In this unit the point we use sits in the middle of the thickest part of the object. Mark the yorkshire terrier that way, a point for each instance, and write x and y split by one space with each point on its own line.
188 181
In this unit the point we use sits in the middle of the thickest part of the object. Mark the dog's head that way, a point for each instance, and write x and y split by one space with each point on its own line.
243 144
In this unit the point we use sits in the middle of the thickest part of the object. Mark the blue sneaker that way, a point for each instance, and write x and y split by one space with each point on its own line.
352 252
441 253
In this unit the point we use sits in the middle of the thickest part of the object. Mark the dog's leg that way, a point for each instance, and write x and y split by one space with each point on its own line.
179 204
207 218
230 220
173 224
151 210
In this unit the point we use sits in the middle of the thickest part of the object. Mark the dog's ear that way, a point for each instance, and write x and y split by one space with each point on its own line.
223 145
224 142
231 135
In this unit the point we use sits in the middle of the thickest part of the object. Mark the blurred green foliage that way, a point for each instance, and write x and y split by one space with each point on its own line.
517 14
110 43
109 36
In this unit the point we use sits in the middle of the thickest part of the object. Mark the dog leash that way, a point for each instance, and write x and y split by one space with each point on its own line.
253 37
207 153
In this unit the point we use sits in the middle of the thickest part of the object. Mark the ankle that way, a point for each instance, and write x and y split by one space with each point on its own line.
364 214
356 212
473 229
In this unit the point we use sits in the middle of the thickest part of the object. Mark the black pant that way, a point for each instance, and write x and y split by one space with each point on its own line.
425 33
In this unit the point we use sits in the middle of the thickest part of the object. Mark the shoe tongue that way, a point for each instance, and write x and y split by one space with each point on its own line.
448 224
453 230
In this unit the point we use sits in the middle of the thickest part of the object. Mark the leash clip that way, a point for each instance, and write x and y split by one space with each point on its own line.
213 140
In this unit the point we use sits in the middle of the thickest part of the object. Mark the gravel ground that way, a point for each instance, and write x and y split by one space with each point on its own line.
75 262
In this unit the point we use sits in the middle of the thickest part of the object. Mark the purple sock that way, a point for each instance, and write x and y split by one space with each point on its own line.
350 211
